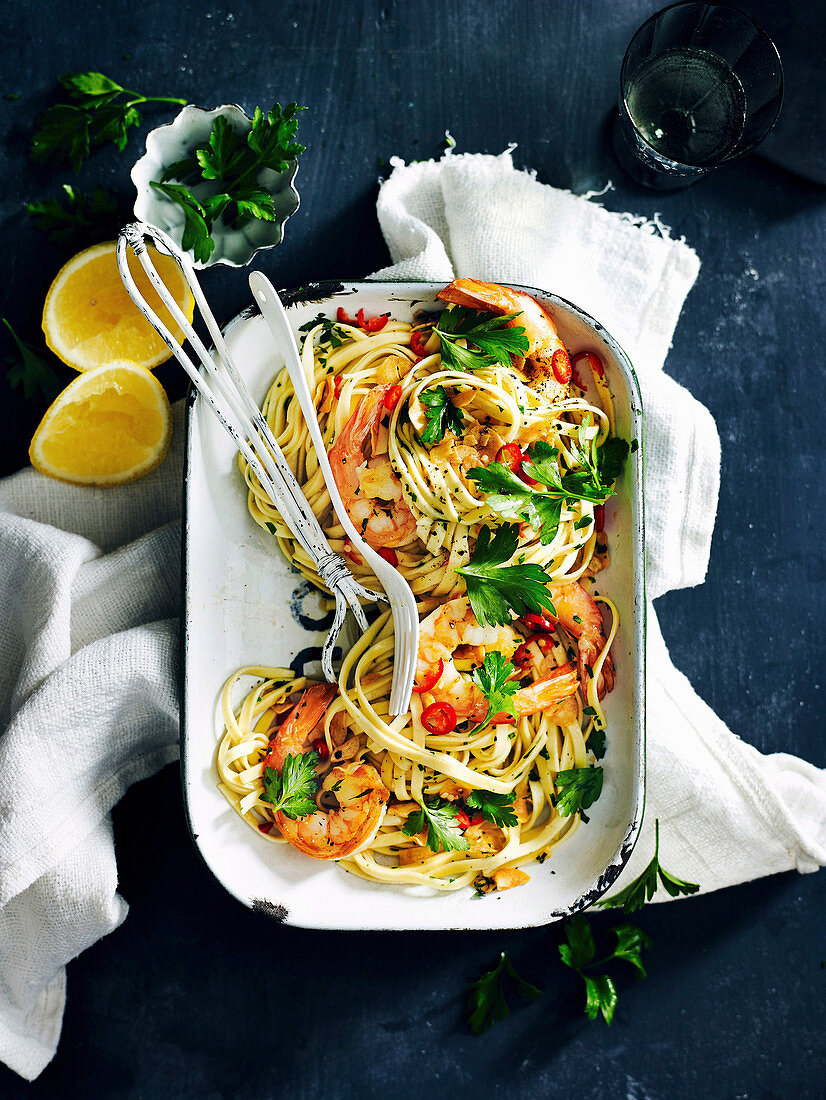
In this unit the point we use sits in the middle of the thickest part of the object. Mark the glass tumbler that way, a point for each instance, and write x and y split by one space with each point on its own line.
700 85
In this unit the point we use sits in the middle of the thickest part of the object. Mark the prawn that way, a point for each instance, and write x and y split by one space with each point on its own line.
360 796
580 616
540 330
452 631
369 487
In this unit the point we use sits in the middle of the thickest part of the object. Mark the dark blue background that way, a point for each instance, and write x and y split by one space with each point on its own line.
195 996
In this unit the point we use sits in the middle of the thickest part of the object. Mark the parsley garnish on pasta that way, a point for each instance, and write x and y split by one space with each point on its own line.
471 340
496 589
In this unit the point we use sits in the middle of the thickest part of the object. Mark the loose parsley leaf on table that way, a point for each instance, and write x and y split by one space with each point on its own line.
234 161
102 111
491 339
495 808
494 588
643 889
578 954
31 371
293 790
493 678
442 415
578 788
80 212
442 829
487 1002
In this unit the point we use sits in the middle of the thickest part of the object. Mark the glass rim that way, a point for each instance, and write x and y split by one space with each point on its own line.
763 34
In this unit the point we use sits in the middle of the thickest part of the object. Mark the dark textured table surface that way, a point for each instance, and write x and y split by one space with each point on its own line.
194 996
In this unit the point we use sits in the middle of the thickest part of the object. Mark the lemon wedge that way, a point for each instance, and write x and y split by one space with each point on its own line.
90 320
109 426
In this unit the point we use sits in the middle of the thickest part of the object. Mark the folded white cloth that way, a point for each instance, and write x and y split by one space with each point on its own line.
89 585
727 813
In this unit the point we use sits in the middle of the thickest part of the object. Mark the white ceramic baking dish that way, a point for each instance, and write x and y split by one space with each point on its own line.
243 606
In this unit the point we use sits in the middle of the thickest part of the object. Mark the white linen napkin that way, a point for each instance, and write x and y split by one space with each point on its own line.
89 583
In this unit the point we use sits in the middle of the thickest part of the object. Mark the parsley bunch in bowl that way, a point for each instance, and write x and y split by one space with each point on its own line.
233 188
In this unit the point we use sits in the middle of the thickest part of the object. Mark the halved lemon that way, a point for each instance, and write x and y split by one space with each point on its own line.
89 319
109 426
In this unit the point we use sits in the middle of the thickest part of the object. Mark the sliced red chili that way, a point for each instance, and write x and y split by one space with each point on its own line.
593 361
439 718
561 366
431 678
539 624
464 820
372 324
265 826
388 554
391 398
321 747
417 344
337 386
511 456
599 517
522 657
341 316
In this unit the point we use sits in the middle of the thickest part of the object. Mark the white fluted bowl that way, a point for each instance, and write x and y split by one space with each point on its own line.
165 145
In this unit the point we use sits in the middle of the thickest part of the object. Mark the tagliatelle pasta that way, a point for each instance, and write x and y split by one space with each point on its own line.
443 452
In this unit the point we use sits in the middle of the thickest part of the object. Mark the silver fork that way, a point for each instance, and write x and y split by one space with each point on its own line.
399 593
225 393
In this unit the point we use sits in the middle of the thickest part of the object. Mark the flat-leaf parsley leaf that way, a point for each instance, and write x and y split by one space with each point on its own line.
578 954
442 415
578 789
495 808
489 339
442 828
643 888
496 589
493 678
102 111
487 1002
31 371
293 790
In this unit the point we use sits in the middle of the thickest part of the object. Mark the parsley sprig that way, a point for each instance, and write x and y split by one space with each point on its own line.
293 789
31 371
232 162
76 215
494 588
643 889
578 953
443 831
442 415
489 340
101 111
595 468
512 498
487 1001
493 678
578 788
